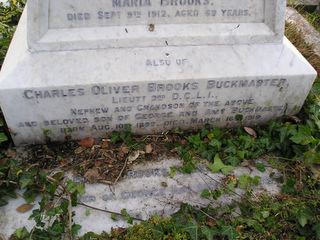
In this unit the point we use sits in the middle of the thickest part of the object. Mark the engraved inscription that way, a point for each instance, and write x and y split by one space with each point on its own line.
151 106
100 13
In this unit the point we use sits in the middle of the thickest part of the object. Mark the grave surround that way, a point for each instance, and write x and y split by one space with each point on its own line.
146 190
62 80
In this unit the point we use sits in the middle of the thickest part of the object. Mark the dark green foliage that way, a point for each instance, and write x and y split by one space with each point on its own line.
58 195
9 17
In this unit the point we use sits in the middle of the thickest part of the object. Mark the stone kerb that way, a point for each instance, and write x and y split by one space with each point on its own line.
82 24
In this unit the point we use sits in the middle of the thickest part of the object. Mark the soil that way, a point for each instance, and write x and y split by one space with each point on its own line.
95 160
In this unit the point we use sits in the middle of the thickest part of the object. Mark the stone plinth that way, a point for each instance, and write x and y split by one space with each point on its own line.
91 92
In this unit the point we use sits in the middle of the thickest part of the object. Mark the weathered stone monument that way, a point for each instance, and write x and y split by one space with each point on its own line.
82 68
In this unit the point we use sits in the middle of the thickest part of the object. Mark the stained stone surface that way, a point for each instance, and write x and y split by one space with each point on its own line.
79 24
146 190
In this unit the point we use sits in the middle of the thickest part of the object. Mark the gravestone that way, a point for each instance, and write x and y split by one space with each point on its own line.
78 68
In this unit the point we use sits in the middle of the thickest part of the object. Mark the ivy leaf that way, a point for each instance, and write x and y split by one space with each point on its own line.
218 166
3 137
75 229
303 216
126 216
25 181
265 214
230 232
289 186
192 229
208 232
206 193
246 181
260 167
316 228
303 136
21 233
302 139
303 220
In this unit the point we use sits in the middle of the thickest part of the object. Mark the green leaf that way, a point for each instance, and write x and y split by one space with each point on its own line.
208 232
126 216
81 188
21 233
230 232
215 143
303 216
87 212
25 181
289 186
192 228
255 180
265 214
75 229
260 167
173 171
206 193
244 181
114 217
218 166
3 137
316 228
302 139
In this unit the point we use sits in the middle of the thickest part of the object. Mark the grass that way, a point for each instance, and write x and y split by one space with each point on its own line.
296 37
312 16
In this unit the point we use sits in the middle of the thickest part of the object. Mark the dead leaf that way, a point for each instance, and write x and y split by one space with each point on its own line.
48 206
251 132
245 163
295 119
299 186
133 156
24 208
11 153
78 150
164 184
316 171
58 176
124 149
87 142
239 228
105 143
210 222
92 175
149 148
183 142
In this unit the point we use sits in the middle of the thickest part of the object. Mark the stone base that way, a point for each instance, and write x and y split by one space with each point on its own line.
91 92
